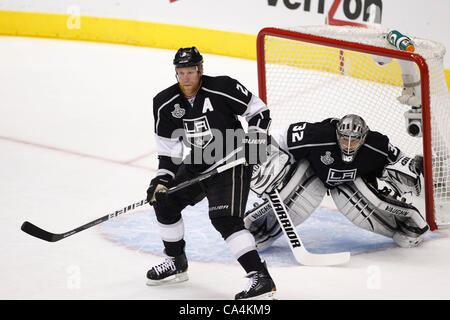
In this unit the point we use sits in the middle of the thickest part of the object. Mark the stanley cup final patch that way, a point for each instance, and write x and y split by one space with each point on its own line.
198 131
178 112
327 159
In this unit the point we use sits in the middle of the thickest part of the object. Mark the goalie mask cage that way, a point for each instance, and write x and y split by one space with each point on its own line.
314 73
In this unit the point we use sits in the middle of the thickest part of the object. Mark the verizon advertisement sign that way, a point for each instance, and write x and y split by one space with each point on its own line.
338 12
425 19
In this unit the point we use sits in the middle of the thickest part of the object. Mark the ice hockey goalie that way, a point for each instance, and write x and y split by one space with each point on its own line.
348 160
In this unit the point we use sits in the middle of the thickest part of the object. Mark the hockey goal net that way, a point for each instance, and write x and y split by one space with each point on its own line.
313 73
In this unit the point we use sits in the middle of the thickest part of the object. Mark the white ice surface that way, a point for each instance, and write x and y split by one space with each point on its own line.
76 143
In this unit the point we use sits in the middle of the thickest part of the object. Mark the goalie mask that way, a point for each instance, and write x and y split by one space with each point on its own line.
351 134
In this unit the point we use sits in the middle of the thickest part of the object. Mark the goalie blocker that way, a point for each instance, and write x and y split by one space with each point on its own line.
363 204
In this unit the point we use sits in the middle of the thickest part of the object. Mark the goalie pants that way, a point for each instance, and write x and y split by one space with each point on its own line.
227 195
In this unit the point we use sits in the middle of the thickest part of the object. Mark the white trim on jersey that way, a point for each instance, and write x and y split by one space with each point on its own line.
280 136
255 107
225 95
399 156
375 149
169 147
162 106
313 145
162 172
256 128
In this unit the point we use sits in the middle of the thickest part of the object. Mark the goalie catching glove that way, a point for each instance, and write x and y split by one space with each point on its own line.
404 175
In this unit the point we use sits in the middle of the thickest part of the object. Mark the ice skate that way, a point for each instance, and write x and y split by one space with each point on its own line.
260 287
171 270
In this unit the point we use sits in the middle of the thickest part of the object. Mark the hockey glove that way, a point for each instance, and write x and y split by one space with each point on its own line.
417 164
268 174
402 176
156 192
255 145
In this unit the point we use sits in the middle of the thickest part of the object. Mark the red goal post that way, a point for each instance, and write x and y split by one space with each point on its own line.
281 54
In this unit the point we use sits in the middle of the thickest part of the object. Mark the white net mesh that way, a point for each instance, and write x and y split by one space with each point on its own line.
311 82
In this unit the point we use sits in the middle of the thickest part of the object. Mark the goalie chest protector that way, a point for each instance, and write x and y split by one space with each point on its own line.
317 142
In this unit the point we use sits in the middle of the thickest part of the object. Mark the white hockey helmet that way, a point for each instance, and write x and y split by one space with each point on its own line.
351 132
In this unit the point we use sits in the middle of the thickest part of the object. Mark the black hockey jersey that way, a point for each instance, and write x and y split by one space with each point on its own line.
317 142
209 121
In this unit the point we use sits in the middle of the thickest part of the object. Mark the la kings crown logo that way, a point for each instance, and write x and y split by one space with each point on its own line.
198 132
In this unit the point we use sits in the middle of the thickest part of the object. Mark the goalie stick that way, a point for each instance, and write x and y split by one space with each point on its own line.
302 255
37 232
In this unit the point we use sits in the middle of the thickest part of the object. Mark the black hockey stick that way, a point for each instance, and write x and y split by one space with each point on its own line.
206 175
37 232
302 255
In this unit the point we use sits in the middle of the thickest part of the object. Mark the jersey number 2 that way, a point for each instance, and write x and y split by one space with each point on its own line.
242 89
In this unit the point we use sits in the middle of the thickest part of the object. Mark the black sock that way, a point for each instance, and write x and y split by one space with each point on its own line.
174 249
251 261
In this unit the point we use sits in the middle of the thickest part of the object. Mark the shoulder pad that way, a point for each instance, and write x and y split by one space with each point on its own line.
165 95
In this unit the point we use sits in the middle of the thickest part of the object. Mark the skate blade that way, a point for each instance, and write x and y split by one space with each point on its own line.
176 278
265 296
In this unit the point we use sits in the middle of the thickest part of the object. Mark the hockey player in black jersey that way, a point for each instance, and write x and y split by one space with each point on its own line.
346 158
202 112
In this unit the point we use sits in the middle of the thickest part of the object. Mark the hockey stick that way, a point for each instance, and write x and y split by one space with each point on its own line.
298 249
37 232
206 175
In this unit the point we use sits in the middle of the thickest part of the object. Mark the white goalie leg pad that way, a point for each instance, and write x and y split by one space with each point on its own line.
302 193
410 218
354 205
263 225
367 208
